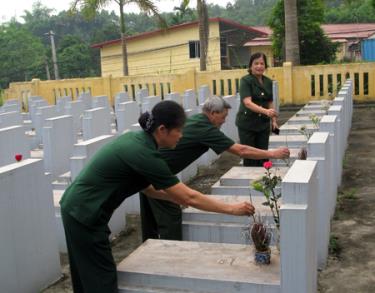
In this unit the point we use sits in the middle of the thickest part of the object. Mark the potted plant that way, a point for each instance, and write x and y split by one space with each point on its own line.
261 237
259 231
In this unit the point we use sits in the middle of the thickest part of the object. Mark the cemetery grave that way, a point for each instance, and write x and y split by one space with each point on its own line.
213 257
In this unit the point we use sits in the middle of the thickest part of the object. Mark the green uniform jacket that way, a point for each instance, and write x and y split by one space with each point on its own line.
162 218
121 168
260 95
199 135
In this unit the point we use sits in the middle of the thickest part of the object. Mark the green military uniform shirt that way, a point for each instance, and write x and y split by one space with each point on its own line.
119 169
260 95
199 135
161 218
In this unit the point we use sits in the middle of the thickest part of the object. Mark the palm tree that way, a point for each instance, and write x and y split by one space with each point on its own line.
203 32
183 13
291 32
90 7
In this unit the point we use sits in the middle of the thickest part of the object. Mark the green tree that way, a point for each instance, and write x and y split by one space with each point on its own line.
74 58
344 11
21 55
315 46
247 12
182 14
90 7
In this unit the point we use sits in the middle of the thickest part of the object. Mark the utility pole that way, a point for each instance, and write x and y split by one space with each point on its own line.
47 69
54 59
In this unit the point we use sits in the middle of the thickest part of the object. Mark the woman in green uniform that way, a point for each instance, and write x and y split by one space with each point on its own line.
127 165
162 219
256 109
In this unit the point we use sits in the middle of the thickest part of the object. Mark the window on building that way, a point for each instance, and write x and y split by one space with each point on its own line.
194 49
223 46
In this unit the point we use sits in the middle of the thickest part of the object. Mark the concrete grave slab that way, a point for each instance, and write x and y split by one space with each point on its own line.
291 141
220 228
242 176
180 266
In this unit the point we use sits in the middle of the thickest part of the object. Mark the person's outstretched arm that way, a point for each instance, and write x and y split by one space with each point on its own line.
249 152
183 195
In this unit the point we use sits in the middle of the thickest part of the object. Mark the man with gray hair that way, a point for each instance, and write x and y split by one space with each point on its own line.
163 219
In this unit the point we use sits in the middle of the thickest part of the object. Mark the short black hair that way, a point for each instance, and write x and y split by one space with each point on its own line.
256 56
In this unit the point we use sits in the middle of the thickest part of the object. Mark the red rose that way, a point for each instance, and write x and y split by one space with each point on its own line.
18 157
267 165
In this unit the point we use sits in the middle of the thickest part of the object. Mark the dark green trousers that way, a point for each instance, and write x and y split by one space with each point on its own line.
92 266
160 219
257 139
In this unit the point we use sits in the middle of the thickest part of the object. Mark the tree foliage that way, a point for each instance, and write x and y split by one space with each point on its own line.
349 11
20 62
21 56
315 46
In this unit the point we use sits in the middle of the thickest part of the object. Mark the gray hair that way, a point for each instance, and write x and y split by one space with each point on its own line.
215 104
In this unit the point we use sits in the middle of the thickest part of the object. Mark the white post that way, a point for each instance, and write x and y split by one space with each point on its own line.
318 150
298 251
328 123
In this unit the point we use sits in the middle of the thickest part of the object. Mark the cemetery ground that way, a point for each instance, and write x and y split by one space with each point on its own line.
351 263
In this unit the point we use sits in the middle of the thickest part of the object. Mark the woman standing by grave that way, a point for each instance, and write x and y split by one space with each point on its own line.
256 109
127 165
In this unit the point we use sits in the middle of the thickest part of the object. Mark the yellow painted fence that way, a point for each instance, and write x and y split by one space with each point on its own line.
297 84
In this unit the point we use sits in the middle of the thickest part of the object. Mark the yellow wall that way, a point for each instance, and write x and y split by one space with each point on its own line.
266 50
297 84
162 53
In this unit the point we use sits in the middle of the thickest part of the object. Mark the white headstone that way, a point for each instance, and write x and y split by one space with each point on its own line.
13 141
86 99
58 141
189 100
41 115
298 251
149 103
140 95
75 109
174 97
28 246
203 93
127 114
84 151
96 122
8 119
121 97
318 149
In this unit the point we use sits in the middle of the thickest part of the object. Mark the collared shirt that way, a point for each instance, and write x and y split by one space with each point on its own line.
119 169
199 135
261 94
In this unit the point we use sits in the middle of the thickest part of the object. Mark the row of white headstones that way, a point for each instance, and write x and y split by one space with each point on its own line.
309 189
69 140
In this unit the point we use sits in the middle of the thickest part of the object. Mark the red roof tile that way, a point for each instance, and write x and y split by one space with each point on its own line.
179 26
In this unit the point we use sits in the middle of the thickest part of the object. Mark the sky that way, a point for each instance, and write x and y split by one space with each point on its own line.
17 7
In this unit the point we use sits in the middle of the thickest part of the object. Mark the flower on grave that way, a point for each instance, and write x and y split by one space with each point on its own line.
267 165
269 185
18 157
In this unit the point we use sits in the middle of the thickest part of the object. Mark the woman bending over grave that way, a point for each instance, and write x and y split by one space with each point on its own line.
127 165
